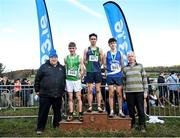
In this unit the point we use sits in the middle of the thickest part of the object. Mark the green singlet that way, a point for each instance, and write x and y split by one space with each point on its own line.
72 67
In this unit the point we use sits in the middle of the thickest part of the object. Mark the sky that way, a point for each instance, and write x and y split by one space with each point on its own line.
154 26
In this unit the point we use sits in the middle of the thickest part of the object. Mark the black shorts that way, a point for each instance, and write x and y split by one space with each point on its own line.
93 77
114 80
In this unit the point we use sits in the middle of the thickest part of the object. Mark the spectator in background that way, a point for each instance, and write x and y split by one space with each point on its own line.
146 98
153 99
135 86
17 92
162 87
50 86
150 89
172 81
179 85
5 92
24 92
178 76
31 96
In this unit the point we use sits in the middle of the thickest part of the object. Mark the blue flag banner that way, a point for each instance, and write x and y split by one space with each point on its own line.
119 28
46 42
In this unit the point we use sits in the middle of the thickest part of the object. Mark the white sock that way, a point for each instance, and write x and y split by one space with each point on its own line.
112 111
120 110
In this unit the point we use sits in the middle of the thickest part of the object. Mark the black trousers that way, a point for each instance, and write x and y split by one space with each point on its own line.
136 99
176 97
44 105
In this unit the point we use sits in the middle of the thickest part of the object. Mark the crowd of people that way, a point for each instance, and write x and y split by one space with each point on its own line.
168 90
17 93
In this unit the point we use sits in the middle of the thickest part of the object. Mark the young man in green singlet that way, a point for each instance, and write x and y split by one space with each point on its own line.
74 72
93 60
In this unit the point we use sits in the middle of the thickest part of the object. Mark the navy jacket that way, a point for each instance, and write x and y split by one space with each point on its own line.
50 80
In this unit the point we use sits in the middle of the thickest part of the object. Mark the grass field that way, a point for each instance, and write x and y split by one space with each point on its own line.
25 127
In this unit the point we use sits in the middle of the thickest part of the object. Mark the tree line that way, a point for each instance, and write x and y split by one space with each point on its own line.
166 69
28 72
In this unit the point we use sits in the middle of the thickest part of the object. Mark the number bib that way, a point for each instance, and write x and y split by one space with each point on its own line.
115 67
72 72
93 58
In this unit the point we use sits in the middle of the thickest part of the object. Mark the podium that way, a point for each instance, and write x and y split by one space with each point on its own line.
98 122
